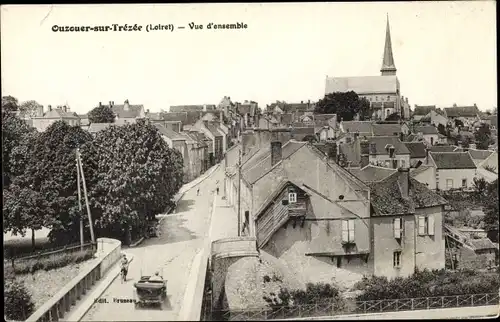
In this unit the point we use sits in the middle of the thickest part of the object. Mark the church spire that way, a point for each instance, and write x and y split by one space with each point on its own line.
388 67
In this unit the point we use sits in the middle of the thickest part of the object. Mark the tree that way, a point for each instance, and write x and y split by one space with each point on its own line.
458 123
29 108
480 187
393 117
491 211
138 174
101 114
483 137
51 173
18 303
345 105
17 140
23 209
442 129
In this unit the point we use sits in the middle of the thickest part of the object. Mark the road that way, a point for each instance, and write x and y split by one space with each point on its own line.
172 253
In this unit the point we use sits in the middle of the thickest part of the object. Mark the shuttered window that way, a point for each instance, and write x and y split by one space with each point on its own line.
430 225
398 227
348 230
421 225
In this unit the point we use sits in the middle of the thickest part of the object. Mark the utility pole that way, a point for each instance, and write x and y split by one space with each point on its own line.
79 200
239 193
86 197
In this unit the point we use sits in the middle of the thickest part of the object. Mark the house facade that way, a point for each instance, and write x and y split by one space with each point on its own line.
62 113
429 133
453 170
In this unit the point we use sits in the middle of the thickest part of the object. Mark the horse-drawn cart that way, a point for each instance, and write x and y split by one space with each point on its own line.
150 291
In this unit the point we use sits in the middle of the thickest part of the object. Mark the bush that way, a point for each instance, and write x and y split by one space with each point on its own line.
428 283
51 262
18 303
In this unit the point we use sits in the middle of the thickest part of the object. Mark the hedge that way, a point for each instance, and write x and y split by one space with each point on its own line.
18 303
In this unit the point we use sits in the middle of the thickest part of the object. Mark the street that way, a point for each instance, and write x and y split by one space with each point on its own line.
182 236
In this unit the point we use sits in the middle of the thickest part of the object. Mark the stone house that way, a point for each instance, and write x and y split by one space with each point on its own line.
201 149
429 133
178 142
385 151
62 113
467 114
421 111
452 170
407 226
196 151
437 119
127 113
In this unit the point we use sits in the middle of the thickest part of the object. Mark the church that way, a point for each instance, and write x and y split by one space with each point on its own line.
383 92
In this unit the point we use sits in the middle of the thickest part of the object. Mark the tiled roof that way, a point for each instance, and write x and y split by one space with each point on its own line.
199 136
133 111
191 108
357 126
442 148
300 133
424 109
453 160
168 132
416 171
372 173
417 149
362 85
386 197
382 141
96 127
464 111
154 116
323 117
286 118
212 127
260 164
479 154
429 129
386 129
174 116
482 243
59 113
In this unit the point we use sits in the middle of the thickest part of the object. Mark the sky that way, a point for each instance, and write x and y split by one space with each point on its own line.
445 52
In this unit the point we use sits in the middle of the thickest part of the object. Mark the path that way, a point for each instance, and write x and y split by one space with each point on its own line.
172 253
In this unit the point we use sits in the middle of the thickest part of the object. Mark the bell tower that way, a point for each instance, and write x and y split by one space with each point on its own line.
388 67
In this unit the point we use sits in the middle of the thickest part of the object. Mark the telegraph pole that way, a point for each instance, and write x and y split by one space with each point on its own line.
86 197
239 193
79 199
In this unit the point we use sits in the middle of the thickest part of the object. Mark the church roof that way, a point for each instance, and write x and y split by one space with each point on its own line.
363 84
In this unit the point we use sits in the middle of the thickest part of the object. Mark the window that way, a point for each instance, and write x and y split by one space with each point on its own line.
430 226
292 197
449 183
402 163
398 227
464 183
421 225
396 259
348 231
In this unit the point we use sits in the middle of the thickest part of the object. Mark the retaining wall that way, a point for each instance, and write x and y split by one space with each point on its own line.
108 252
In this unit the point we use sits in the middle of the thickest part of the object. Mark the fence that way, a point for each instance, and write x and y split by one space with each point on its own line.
64 249
330 308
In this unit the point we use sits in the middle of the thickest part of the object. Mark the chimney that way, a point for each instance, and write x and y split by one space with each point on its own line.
454 104
100 104
407 100
126 105
113 103
147 111
275 152
332 151
401 136
427 150
373 148
391 152
404 182
50 108
65 108
365 153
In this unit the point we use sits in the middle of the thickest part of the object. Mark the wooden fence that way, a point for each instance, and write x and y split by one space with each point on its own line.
327 308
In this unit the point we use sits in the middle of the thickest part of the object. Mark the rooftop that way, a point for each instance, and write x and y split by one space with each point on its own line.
372 173
417 149
362 85
132 111
461 111
423 109
386 198
168 132
429 129
452 160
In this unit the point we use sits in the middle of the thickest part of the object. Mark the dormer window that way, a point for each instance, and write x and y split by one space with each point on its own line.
292 197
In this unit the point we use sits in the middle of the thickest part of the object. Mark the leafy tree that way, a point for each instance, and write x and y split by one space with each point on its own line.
17 138
480 187
29 108
51 173
18 303
101 114
490 209
345 105
24 208
138 174
483 137
458 123
393 117
442 130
